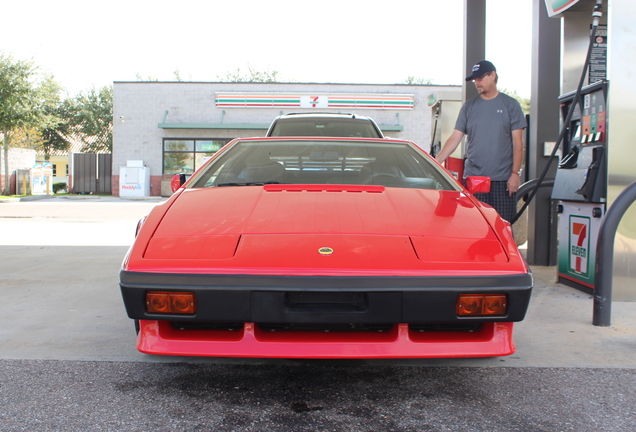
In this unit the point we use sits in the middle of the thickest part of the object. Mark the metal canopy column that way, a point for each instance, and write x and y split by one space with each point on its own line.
544 127
474 40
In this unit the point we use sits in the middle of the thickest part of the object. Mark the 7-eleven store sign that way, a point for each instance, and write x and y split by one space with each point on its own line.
338 101
318 101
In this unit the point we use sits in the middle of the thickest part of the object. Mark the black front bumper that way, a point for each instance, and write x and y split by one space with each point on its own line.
320 299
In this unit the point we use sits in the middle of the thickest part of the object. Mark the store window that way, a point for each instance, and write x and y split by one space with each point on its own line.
186 156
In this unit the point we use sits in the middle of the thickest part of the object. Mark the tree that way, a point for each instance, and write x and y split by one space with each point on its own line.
55 126
93 119
524 102
252 76
148 78
23 101
56 136
177 75
411 80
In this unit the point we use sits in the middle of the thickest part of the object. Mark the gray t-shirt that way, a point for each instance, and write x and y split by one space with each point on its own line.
489 123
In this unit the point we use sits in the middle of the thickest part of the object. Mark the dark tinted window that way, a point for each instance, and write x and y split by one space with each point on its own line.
323 162
337 127
186 156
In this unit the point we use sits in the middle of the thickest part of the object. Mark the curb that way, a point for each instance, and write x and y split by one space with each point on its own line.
26 198
81 197
78 198
149 198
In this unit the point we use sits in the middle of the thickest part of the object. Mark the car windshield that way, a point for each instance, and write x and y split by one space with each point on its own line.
336 127
259 162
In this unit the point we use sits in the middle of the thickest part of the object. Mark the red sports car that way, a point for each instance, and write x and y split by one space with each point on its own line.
325 248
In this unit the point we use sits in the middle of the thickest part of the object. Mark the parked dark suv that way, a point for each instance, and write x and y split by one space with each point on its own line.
324 124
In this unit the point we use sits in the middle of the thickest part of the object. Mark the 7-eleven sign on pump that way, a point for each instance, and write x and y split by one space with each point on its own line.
579 249
579 224
317 101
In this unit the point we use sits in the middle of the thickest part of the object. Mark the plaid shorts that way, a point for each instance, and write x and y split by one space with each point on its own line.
499 199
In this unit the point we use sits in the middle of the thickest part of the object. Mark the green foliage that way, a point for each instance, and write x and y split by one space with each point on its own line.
86 118
524 102
251 76
17 93
55 135
26 100
148 78
59 187
411 80
92 119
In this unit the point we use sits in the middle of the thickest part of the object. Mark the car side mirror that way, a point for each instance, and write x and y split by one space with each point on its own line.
478 184
177 181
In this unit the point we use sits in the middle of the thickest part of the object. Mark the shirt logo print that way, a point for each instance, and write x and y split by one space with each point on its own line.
499 111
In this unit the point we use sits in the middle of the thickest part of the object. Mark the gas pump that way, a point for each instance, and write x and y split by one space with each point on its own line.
580 185
445 107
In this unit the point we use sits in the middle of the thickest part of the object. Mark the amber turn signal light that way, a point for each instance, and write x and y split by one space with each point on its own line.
171 302
482 304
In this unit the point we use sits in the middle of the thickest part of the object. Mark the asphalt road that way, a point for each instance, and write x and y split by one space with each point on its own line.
68 362
47 395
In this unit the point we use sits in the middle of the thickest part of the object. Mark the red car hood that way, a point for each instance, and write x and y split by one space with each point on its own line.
291 229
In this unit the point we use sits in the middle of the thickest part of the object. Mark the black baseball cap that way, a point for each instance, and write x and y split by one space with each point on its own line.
481 69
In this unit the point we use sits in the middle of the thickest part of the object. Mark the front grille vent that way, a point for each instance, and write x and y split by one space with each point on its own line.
203 325
379 328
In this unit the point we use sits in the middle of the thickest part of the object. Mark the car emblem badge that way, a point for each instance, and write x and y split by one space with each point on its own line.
325 251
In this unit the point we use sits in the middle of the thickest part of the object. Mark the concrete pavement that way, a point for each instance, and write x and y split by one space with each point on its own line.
60 297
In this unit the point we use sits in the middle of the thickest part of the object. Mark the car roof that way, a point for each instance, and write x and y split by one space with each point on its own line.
327 138
324 115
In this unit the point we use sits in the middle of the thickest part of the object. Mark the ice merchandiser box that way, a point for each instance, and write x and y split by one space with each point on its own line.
134 179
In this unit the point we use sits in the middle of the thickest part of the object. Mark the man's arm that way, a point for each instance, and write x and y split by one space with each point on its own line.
450 145
517 159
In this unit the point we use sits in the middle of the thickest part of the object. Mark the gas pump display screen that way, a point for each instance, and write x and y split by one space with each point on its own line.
593 117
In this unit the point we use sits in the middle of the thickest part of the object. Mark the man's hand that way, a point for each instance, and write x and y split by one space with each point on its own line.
513 183
517 158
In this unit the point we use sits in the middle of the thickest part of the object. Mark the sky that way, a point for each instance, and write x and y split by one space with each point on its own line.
88 44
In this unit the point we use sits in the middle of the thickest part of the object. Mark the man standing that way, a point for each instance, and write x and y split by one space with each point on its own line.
494 124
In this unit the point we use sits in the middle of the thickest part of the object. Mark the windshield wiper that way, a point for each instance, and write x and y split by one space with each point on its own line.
247 183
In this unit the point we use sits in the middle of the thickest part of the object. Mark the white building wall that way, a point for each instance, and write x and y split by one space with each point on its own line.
19 158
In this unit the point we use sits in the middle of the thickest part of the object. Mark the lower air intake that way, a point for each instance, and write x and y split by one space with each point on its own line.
446 327
327 327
